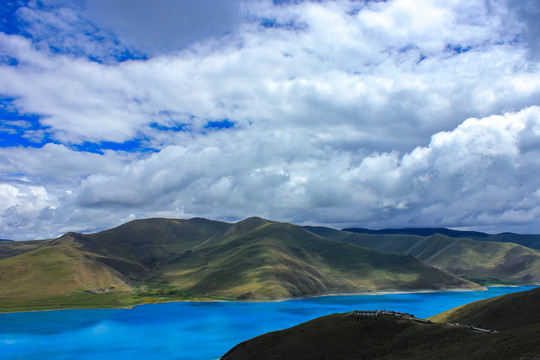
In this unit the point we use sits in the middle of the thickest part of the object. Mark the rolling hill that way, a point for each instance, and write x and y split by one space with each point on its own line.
528 240
348 336
420 232
489 261
278 260
165 259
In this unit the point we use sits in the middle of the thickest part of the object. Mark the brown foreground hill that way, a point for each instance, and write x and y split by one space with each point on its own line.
349 336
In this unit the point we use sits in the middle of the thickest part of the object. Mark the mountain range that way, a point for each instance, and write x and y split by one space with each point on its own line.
478 259
154 260
528 240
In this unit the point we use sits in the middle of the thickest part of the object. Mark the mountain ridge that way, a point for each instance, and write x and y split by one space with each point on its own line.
480 260
419 231
152 260
528 240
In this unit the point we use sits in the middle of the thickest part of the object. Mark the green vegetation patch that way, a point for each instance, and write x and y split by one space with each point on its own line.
492 281
77 300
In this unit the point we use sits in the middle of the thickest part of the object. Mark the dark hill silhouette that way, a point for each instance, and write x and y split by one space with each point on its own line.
502 312
348 336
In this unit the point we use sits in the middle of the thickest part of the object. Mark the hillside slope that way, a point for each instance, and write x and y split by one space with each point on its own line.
502 312
56 274
276 260
167 259
346 336
459 256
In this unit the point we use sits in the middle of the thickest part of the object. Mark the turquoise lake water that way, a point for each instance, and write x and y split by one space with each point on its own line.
193 330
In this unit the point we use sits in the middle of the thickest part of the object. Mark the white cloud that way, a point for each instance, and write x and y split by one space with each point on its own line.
58 163
342 116
22 206
30 197
463 177
335 74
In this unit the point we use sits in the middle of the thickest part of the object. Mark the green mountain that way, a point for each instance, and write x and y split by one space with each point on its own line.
164 260
420 232
531 241
277 260
488 261
349 336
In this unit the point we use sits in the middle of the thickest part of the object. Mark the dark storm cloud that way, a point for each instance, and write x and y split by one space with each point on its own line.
167 25
523 15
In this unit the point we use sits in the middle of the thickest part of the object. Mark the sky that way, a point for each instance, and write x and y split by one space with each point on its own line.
375 114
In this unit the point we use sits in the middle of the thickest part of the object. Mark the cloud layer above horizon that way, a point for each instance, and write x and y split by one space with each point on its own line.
340 113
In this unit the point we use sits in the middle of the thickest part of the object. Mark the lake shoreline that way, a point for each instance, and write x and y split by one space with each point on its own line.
370 293
383 292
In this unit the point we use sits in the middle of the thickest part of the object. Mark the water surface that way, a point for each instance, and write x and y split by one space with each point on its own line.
193 330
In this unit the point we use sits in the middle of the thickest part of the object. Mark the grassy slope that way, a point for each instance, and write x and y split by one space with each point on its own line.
152 242
340 336
56 274
501 312
13 248
160 260
55 269
278 260
458 256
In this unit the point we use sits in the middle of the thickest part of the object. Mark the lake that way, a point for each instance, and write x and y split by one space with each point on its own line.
193 330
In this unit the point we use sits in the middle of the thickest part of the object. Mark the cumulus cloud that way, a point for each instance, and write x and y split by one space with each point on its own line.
483 169
56 161
24 205
336 73
399 113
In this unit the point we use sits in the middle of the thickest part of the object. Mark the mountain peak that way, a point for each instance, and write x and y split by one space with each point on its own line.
249 224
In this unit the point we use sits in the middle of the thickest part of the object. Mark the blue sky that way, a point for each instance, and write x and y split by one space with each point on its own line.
341 113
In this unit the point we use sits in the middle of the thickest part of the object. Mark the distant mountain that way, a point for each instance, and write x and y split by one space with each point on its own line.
348 336
5 240
488 261
531 241
12 248
420 232
164 259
